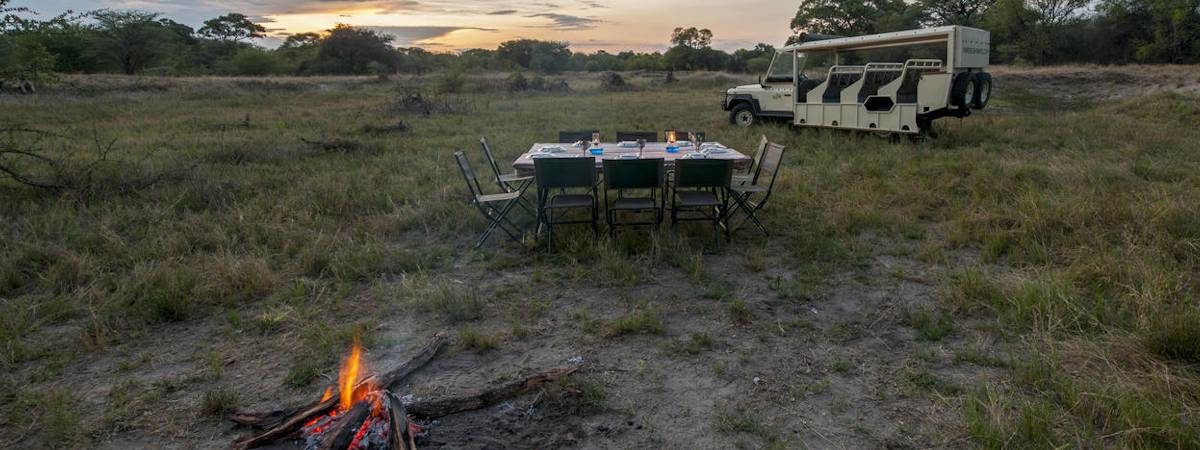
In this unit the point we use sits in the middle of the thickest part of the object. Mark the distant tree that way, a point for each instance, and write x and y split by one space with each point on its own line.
232 27
135 39
348 49
691 37
300 40
543 56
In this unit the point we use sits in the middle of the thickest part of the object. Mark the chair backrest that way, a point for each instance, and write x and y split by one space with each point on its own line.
634 173
570 137
682 135
768 169
703 173
649 136
468 174
758 155
487 152
564 172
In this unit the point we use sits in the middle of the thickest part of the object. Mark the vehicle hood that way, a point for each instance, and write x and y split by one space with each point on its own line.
745 88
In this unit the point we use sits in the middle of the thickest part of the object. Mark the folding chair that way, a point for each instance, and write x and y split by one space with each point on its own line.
571 137
748 175
702 186
565 173
645 175
762 184
508 182
649 136
493 206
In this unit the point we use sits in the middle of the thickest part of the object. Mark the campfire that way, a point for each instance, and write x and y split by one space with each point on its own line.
361 412
366 417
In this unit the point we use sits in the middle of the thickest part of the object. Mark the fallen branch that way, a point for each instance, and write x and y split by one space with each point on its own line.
433 409
282 423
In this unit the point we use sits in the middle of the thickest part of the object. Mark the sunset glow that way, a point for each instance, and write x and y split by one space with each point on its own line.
439 25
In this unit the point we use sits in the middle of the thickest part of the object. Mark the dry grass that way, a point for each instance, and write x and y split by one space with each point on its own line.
1072 224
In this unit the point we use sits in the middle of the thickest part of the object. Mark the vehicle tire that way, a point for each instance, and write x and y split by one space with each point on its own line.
963 91
983 90
742 115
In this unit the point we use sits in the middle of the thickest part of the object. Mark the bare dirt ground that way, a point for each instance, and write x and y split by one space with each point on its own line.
740 351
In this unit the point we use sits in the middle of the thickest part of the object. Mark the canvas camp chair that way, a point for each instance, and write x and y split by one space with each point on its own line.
508 182
644 175
702 187
751 198
562 174
748 175
495 207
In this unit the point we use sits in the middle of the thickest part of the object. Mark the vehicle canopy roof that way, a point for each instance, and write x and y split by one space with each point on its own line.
896 38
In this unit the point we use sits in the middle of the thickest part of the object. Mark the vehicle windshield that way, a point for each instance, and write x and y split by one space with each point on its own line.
781 68
815 65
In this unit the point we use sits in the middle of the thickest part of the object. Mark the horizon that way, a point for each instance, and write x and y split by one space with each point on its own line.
445 26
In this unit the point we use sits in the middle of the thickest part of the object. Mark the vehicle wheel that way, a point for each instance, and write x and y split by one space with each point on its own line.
742 115
983 90
963 92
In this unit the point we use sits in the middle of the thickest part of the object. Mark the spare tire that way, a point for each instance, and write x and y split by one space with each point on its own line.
962 93
983 90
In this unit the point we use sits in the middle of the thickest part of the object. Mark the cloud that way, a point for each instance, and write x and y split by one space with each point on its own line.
567 22
503 12
419 35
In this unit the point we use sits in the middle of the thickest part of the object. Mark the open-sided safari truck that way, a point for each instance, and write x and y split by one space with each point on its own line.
895 83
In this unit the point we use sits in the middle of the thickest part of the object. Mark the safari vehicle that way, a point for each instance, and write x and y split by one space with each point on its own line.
896 83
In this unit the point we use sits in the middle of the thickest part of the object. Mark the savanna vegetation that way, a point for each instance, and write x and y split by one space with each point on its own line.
180 248
147 42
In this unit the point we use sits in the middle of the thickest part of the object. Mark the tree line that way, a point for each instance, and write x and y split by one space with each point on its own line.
1023 31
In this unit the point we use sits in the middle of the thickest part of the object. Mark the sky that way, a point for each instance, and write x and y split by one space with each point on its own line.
441 25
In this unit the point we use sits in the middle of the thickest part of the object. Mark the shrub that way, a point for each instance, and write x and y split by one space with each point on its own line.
613 81
517 82
450 83
256 62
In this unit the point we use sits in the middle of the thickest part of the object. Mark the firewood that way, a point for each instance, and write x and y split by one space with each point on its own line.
398 434
342 434
432 409
282 423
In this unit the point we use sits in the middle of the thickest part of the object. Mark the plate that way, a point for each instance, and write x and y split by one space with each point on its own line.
628 144
541 155
628 156
552 150
715 150
712 145
695 156
683 144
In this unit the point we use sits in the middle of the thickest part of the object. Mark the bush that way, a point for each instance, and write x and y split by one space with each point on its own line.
450 83
517 83
256 62
613 81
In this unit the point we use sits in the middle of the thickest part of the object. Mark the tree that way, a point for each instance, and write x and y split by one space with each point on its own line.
853 17
232 27
135 39
348 49
691 37
543 56
301 40
955 12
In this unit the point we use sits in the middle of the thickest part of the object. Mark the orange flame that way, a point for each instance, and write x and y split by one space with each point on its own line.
348 377
328 394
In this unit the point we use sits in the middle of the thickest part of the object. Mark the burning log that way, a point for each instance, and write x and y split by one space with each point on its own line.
346 430
398 435
283 423
367 415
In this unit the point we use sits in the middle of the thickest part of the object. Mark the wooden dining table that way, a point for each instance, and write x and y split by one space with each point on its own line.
613 150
